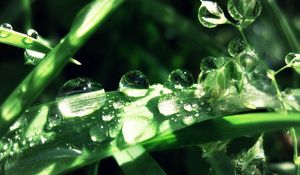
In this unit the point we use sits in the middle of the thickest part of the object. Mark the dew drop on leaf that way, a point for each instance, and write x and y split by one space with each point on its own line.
134 84
4 34
210 14
98 133
79 97
32 33
181 78
293 59
244 11
7 26
168 106
33 57
209 63
248 60
236 46
189 120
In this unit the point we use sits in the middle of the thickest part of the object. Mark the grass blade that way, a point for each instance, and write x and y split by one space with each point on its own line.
136 160
31 87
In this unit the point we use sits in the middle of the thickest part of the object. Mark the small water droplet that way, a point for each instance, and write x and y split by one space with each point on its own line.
79 97
248 60
181 78
236 46
32 33
189 120
210 14
107 118
33 57
209 63
188 107
4 34
99 133
7 26
134 84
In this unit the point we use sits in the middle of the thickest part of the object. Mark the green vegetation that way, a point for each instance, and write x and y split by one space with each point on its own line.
240 116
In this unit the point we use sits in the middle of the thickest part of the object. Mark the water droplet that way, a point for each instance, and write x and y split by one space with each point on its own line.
107 118
168 106
293 59
210 14
189 120
7 26
4 34
33 57
244 11
181 78
210 63
134 84
137 129
188 107
32 33
79 97
99 133
248 60
236 46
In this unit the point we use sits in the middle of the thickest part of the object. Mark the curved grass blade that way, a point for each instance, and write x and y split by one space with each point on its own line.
85 25
136 160
23 41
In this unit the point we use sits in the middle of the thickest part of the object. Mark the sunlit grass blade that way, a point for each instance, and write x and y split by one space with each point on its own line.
23 41
32 86
225 128
28 16
58 159
136 160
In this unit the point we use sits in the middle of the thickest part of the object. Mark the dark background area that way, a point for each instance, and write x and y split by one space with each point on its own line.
154 36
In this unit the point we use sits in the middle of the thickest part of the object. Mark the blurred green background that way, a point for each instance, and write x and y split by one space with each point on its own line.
154 36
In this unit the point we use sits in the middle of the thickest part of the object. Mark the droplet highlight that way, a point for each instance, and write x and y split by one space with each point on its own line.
210 14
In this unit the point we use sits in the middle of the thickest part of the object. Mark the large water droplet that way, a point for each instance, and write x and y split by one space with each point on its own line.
7 26
181 78
4 34
244 11
248 60
33 57
137 129
79 97
32 33
210 63
99 133
210 14
293 59
134 84
236 46
168 106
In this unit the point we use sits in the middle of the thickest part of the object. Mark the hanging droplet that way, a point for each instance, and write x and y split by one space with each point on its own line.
33 57
32 33
244 11
79 97
7 26
236 46
210 14
134 84
210 63
248 60
4 34
293 59
181 78
99 133
168 106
